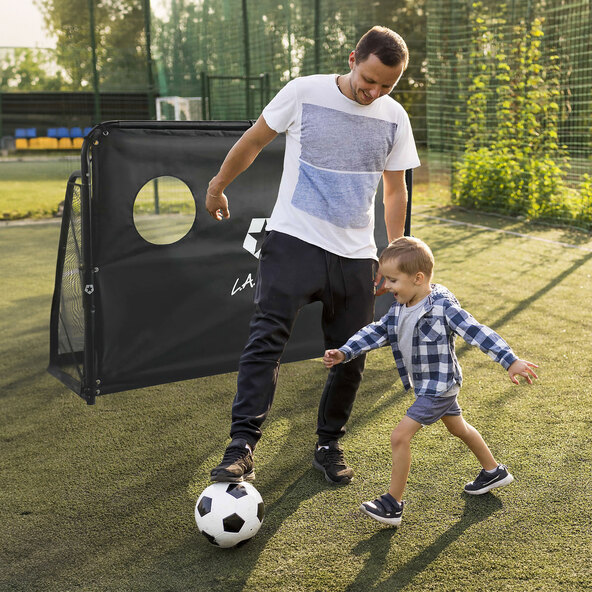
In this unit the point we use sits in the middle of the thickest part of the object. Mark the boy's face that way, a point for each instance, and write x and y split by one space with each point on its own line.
407 289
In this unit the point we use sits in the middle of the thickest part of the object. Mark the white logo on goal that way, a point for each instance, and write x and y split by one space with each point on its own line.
255 236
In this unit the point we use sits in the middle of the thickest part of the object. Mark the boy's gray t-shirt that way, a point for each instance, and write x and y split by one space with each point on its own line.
408 317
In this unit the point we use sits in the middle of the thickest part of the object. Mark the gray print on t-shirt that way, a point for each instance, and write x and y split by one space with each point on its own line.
341 163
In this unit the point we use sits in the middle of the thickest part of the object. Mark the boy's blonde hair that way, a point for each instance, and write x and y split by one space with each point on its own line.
412 255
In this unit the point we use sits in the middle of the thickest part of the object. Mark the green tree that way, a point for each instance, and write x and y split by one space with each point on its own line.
119 38
24 69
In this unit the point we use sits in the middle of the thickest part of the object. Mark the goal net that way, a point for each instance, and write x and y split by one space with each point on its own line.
180 109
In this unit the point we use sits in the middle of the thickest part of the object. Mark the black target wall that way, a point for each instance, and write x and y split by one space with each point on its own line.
162 313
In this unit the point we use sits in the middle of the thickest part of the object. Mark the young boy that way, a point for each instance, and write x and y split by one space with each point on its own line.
421 327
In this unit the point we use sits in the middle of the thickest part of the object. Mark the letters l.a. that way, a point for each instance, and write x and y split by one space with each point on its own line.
239 287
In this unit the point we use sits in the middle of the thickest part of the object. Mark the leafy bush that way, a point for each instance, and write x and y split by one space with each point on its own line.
502 181
513 163
584 211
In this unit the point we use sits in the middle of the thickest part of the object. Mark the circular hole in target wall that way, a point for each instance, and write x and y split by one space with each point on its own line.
164 210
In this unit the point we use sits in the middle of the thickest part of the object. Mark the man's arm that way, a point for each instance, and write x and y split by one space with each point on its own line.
394 191
239 158
395 203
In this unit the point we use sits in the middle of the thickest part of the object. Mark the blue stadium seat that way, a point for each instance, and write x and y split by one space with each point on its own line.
52 132
75 132
63 132
31 132
20 132
87 130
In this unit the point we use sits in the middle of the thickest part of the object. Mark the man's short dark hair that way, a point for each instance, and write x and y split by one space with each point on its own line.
389 47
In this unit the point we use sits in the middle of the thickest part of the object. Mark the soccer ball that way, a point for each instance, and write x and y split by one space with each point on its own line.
228 514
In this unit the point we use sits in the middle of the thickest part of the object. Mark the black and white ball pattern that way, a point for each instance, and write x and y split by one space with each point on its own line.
228 514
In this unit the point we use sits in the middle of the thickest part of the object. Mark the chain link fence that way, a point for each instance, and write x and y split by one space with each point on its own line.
509 105
498 91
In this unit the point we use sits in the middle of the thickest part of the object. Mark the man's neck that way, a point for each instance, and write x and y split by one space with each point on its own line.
344 86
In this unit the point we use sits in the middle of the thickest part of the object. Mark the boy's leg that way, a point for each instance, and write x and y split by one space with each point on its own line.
388 508
458 427
492 475
401 452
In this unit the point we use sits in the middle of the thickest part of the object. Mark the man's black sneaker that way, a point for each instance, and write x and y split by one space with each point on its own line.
385 509
330 461
237 464
486 481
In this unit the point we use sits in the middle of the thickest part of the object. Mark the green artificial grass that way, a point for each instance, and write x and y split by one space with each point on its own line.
101 498
34 187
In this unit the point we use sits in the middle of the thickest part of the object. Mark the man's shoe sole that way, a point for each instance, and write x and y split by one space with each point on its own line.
505 481
250 476
389 521
320 467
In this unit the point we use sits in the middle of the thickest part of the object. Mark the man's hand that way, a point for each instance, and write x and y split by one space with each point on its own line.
217 205
333 357
378 289
522 368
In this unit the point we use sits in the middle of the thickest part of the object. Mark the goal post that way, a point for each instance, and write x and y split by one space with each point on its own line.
133 308
180 108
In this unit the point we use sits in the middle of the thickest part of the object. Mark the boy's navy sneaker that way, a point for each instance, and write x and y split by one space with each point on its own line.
486 481
329 459
237 464
385 509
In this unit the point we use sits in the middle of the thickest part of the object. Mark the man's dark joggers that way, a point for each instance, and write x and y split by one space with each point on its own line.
293 273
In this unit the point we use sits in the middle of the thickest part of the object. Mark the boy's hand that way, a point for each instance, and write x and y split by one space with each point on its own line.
333 357
522 368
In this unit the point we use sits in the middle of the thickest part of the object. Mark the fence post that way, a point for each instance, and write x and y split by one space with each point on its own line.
97 97
205 95
247 55
267 89
317 36
149 71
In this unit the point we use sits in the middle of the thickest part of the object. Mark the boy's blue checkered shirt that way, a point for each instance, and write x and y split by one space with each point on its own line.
435 368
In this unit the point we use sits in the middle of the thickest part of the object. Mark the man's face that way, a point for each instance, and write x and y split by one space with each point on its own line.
372 79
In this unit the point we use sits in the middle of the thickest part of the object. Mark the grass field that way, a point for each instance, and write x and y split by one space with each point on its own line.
33 187
101 498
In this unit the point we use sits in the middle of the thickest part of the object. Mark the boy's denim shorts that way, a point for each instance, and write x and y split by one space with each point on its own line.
427 409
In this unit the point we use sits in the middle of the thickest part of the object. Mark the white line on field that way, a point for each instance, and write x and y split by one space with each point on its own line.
544 240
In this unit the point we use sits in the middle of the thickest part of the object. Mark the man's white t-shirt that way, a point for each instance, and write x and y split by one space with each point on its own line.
336 151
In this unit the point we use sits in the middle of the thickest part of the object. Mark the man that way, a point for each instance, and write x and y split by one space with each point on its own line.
343 134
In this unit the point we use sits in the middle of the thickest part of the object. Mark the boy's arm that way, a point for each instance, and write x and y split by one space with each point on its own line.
489 342
368 338
474 333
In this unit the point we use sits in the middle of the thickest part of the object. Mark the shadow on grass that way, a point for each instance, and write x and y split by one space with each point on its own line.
568 234
378 546
286 481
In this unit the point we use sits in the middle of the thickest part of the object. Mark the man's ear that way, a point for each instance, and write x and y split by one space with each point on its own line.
352 60
419 277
